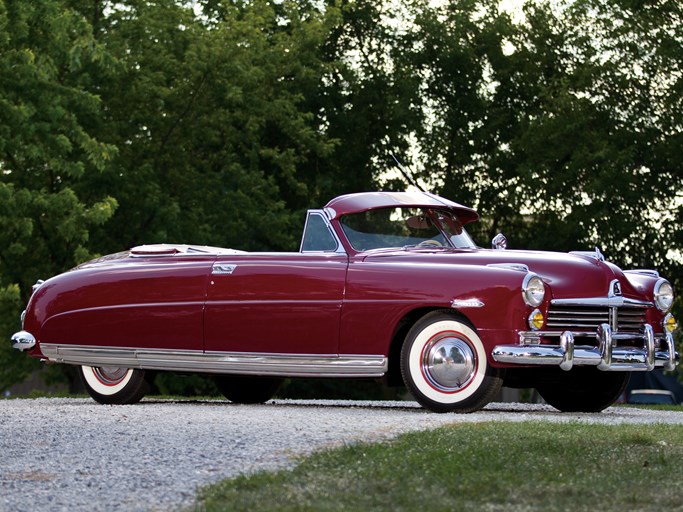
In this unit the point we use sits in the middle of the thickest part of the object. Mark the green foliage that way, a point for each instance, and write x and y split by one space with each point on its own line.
211 123
46 147
553 126
483 466
14 365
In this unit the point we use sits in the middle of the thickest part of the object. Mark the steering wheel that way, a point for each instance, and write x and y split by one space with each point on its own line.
430 243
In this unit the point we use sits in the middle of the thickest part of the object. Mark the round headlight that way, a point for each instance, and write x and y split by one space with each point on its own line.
533 290
664 295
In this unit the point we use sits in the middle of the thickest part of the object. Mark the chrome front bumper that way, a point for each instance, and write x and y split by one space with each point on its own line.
606 356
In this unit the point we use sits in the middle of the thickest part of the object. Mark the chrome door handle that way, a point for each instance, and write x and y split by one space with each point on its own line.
223 269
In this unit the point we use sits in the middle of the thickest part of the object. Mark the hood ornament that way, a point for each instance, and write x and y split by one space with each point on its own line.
499 242
596 255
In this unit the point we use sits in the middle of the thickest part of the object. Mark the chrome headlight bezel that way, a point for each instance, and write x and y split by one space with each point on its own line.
533 290
663 295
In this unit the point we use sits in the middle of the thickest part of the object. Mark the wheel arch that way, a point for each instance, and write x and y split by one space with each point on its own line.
403 326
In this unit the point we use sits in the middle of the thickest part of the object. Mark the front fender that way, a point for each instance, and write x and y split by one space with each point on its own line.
380 295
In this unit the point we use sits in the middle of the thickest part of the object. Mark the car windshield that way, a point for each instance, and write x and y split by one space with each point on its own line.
405 227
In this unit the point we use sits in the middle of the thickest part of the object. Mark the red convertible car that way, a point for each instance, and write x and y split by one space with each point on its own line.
384 285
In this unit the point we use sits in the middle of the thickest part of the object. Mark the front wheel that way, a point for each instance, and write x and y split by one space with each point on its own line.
444 365
113 385
583 389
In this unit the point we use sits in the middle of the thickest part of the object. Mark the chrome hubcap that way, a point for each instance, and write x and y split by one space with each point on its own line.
110 375
448 363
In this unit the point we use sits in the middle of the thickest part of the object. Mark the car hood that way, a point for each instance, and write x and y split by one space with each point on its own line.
569 275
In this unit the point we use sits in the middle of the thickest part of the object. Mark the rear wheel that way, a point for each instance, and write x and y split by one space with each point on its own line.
444 365
244 389
583 389
114 385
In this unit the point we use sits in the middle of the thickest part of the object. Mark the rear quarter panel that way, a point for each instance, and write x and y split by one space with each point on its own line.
135 302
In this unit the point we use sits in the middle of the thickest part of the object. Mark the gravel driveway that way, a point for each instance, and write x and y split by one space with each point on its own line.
73 454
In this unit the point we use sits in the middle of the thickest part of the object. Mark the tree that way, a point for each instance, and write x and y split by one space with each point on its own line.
635 50
47 115
559 128
364 99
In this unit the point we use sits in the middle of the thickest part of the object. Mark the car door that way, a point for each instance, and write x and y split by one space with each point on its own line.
275 303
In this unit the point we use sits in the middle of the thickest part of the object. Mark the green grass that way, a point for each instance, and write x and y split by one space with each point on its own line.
484 466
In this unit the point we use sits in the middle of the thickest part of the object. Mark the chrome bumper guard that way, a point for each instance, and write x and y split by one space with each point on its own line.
606 356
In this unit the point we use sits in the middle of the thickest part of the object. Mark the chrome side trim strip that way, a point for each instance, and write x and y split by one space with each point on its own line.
467 303
245 363
643 271
510 266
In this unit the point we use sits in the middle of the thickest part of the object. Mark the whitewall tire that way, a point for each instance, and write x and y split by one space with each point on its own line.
114 385
444 365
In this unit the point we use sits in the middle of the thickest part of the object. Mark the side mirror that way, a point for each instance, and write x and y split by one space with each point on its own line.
499 242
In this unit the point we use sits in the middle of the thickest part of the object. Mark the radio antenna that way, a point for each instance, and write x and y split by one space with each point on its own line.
408 176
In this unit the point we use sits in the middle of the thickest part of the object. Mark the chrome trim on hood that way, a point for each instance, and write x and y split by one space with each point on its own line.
510 266
597 255
643 271
614 302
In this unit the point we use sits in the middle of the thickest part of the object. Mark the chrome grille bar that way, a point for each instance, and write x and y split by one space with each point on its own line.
584 317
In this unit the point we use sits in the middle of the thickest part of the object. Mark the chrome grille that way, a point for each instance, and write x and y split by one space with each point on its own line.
588 318
630 319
